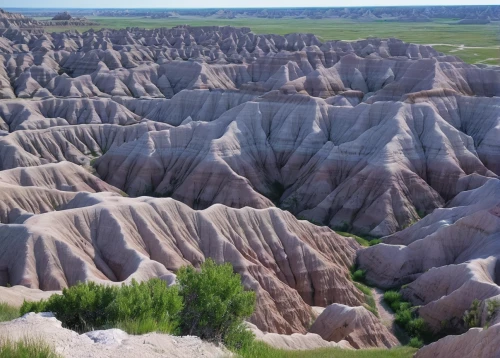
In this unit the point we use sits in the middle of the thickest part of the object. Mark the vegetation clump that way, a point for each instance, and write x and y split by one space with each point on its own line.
210 303
26 348
142 307
492 309
472 317
358 276
363 241
7 312
407 318
215 303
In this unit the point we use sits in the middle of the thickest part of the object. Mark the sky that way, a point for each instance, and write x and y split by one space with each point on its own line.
228 3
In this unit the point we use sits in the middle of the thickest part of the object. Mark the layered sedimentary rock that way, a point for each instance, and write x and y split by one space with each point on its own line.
450 258
355 325
377 136
326 163
104 238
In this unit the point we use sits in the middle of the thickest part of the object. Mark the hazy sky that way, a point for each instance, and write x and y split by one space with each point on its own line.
229 3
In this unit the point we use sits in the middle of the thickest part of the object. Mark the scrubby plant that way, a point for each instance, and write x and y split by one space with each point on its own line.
210 303
147 306
144 307
358 275
403 317
215 302
415 342
80 307
417 327
407 318
392 296
492 308
472 315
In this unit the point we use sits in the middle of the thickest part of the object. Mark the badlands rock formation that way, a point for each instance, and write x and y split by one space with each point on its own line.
108 238
223 139
356 325
447 260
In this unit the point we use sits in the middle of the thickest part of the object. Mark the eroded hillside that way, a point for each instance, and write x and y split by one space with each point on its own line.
130 153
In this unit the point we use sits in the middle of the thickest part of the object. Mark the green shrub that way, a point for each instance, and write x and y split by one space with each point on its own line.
392 296
239 337
418 327
375 242
403 317
404 305
395 306
358 275
415 343
26 348
492 309
141 307
215 302
147 306
81 307
7 312
472 316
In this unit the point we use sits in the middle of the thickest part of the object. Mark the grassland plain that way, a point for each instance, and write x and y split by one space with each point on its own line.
472 43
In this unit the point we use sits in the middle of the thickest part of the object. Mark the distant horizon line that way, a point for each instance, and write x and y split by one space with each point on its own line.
244 7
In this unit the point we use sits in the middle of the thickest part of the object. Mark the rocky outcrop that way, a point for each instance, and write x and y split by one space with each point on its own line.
477 342
112 342
356 325
295 341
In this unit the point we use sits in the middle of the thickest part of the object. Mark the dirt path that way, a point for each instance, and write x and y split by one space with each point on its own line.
387 316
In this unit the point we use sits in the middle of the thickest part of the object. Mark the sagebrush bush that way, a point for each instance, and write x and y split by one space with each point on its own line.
215 302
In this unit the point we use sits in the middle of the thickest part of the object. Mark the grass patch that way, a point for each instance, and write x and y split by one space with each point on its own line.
366 242
487 55
26 348
7 312
358 276
146 325
262 350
